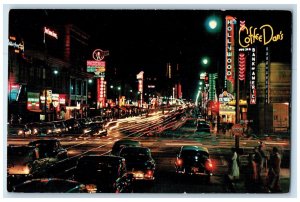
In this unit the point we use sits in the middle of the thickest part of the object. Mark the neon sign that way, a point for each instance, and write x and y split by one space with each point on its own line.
242 66
267 75
50 32
253 77
264 35
229 60
99 54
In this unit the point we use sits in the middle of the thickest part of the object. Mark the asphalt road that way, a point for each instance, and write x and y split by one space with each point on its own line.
164 147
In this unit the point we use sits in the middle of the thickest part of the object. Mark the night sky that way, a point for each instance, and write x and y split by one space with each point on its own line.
148 39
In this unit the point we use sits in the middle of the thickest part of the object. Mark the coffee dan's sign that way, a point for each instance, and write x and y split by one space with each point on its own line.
265 34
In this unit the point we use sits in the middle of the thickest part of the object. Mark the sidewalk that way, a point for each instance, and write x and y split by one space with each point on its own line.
239 185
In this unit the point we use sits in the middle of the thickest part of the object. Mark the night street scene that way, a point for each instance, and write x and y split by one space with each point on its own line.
154 101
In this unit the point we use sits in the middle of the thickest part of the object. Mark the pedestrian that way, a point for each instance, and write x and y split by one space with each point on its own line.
251 174
263 155
259 164
234 170
274 171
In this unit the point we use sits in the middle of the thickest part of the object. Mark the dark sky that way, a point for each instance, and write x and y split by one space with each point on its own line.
148 39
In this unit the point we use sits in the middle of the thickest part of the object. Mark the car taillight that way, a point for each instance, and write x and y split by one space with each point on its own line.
209 164
149 173
179 162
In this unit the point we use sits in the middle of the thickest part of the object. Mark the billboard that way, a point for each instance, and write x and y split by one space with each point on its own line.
97 67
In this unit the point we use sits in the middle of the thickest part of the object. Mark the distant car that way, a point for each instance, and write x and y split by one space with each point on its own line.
50 185
80 126
60 127
203 127
104 174
19 130
47 129
139 162
118 145
34 127
50 148
194 160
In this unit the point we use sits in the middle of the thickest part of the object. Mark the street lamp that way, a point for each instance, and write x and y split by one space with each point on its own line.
205 61
213 24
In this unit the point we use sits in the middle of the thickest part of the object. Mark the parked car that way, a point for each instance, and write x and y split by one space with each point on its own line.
98 120
104 174
60 127
203 127
19 130
139 162
50 148
78 127
34 127
118 145
50 185
194 160
47 129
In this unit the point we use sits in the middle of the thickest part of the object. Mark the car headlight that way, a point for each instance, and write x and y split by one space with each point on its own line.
49 131
85 131
20 132
35 131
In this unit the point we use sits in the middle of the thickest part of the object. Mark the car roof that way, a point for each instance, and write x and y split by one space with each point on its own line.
136 149
42 141
194 148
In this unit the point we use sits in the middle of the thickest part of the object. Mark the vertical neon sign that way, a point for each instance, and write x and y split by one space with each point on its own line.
253 77
229 50
242 66
267 100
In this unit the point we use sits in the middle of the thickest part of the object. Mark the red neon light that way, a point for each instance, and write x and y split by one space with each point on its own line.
242 66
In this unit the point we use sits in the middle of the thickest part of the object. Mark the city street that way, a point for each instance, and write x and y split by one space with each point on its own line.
164 148
180 101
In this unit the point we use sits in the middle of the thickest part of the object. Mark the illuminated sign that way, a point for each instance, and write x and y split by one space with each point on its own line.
242 66
212 86
267 100
97 67
62 99
225 97
140 75
99 54
33 101
17 46
253 77
229 50
265 35
101 92
151 86
50 33
14 93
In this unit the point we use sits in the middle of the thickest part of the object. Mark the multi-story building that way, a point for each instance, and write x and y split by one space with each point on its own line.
48 73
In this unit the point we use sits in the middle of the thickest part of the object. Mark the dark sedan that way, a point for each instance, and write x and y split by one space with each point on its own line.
49 149
19 130
194 160
139 162
120 144
103 174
